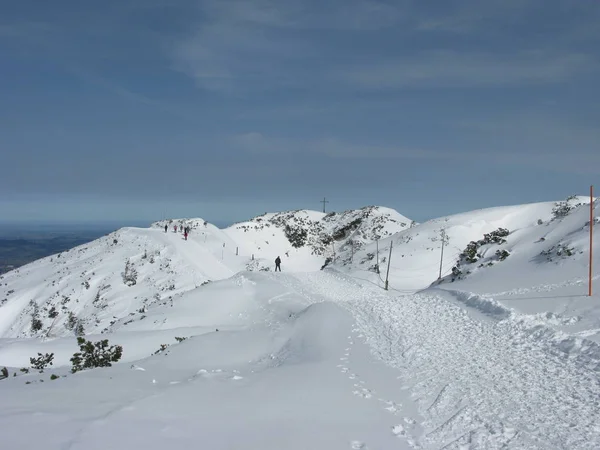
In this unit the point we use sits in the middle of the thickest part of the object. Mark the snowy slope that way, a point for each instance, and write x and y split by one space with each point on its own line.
503 357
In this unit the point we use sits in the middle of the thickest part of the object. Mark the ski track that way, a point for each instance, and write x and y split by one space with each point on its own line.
476 384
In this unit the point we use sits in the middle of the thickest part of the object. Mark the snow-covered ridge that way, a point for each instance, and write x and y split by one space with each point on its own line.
112 282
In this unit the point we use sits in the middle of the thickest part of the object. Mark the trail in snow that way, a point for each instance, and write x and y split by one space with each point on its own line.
487 384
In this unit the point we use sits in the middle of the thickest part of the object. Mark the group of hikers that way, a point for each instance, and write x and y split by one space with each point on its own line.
185 230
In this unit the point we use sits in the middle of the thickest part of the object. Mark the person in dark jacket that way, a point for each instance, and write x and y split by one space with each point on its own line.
278 264
166 228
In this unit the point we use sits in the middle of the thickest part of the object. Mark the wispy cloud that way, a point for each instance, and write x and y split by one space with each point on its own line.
332 147
462 69
523 142
268 43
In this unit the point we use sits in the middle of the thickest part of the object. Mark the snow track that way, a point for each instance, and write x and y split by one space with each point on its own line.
477 384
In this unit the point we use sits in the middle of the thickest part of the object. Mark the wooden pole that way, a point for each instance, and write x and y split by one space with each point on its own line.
388 267
442 257
591 236
377 264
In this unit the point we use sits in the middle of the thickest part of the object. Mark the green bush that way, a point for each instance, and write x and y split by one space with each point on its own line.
42 361
92 355
297 236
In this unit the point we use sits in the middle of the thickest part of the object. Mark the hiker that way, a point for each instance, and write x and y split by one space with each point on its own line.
185 234
166 228
278 264
175 228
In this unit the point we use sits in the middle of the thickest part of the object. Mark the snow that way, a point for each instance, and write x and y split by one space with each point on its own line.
505 356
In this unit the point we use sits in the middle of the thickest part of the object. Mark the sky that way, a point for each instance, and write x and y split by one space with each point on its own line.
136 110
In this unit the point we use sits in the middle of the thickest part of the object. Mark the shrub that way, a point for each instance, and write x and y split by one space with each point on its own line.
53 312
470 253
42 361
297 236
4 373
79 330
162 348
36 324
561 209
502 254
344 231
74 324
54 377
130 274
92 355
180 339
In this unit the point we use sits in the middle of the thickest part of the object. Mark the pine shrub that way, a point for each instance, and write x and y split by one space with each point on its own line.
93 355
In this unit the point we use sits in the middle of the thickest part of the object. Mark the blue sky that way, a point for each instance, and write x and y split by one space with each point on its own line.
136 110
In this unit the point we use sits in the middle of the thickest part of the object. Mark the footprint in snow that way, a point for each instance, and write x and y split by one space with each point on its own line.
399 430
391 407
357 445
364 393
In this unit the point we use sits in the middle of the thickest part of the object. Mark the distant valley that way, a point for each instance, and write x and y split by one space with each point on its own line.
21 244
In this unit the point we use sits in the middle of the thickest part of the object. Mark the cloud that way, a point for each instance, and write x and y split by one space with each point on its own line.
441 69
237 45
524 141
263 44
335 148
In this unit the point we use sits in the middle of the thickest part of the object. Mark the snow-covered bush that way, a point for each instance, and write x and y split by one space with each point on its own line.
129 274
162 348
79 330
471 254
74 324
42 361
560 251
92 355
495 237
296 235
344 231
562 209
53 312
36 324
502 254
